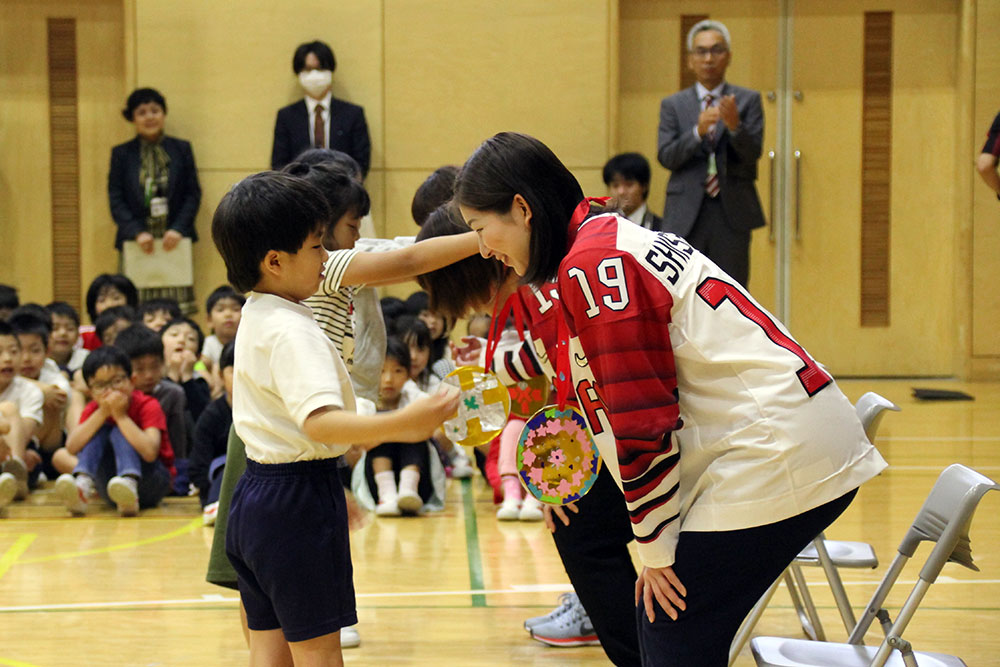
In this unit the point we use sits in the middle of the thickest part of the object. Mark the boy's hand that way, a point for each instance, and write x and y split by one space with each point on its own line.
424 415
55 398
116 403
468 354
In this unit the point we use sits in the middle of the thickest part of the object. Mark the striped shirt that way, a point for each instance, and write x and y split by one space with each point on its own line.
333 304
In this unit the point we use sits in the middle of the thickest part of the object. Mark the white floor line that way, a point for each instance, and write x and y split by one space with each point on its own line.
514 590
935 468
938 438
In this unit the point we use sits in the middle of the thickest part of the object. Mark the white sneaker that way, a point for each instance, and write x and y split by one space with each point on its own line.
16 467
461 467
209 513
72 493
124 492
567 601
8 489
571 628
349 637
508 510
409 502
531 509
389 508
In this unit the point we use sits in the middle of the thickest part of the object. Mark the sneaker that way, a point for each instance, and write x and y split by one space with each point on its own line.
409 503
572 628
124 492
349 637
387 509
208 514
508 510
73 494
16 467
8 489
461 467
567 601
531 510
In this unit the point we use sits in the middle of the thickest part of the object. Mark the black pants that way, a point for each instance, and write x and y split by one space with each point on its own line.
714 237
402 454
725 573
594 551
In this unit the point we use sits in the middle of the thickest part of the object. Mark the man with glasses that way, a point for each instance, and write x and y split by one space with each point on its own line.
710 139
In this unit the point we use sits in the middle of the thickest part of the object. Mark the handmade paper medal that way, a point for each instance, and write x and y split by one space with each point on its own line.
528 396
557 458
483 406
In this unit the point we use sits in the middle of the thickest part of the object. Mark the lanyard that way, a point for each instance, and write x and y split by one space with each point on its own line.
512 304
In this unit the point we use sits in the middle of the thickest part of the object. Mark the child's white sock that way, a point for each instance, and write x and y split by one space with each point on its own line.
385 482
408 481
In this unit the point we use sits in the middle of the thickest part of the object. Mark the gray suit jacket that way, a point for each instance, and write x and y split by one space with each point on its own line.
736 155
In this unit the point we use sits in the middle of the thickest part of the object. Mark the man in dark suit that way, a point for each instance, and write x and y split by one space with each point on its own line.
627 177
319 120
710 139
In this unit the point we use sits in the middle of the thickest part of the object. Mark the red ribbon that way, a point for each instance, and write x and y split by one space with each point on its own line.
512 304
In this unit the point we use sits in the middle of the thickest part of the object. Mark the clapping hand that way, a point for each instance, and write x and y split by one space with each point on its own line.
728 111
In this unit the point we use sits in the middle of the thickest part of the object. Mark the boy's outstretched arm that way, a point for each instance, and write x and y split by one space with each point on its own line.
393 266
414 423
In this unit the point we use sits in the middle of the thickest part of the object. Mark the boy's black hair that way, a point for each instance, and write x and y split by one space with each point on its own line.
172 308
321 50
106 319
411 328
191 323
398 350
8 297
264 212
392 308
510 164
437 190
631 167
141 96
228 355
35 310
453 289
344 193
108 355
331 156
7 330
418 302
110 280
63 309
26 323
218 294
139 340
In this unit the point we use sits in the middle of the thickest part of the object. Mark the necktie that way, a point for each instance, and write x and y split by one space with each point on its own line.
712 177
319 128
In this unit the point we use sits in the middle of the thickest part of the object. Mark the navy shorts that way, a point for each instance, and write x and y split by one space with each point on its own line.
287 539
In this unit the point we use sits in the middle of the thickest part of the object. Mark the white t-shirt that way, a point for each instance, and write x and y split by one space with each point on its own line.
50 374
27 397
212 349
285 369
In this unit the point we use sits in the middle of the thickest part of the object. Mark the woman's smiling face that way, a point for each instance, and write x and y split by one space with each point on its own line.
505 236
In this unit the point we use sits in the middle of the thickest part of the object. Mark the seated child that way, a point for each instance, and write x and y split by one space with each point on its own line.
21 406
63 347
182 341
415 334
223 307
122 448
211 433
155 313
440 361
112 320
293 406
106 291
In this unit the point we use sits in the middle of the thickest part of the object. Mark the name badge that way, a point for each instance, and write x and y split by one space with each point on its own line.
158 207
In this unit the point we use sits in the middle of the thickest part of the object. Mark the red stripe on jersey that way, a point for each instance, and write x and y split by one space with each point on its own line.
642 511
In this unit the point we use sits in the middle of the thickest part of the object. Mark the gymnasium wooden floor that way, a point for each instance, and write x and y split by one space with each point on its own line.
453 588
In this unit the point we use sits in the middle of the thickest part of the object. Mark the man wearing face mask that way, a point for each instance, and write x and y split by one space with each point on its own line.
319 120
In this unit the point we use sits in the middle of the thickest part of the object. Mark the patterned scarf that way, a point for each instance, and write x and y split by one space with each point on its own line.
154 170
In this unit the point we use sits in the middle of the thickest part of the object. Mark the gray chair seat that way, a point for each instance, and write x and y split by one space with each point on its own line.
843 554
782 652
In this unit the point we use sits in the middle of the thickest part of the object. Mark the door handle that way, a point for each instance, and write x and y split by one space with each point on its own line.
798 195
770 218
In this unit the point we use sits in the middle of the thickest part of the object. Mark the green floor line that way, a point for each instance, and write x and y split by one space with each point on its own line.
472 544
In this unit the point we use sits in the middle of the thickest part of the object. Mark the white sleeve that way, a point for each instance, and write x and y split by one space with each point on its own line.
305 375
336 267
29 401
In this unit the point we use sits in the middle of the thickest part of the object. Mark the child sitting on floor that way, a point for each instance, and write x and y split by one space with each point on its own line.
208 449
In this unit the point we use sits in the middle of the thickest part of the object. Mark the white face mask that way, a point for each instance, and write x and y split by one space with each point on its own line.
316 81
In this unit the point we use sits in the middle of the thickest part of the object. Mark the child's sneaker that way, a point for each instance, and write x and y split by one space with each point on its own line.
387 509
567 601
16 467
572 628
73 493
409 503
209 513
349 637
531 509
124 492
508 510
461 467
8 489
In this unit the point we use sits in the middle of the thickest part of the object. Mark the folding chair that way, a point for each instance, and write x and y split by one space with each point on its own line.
828 554
944 518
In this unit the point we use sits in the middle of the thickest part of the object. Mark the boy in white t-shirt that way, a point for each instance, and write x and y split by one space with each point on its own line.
293 406
20 407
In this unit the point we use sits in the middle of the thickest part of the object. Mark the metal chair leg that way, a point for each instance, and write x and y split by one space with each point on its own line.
808 617
750 622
